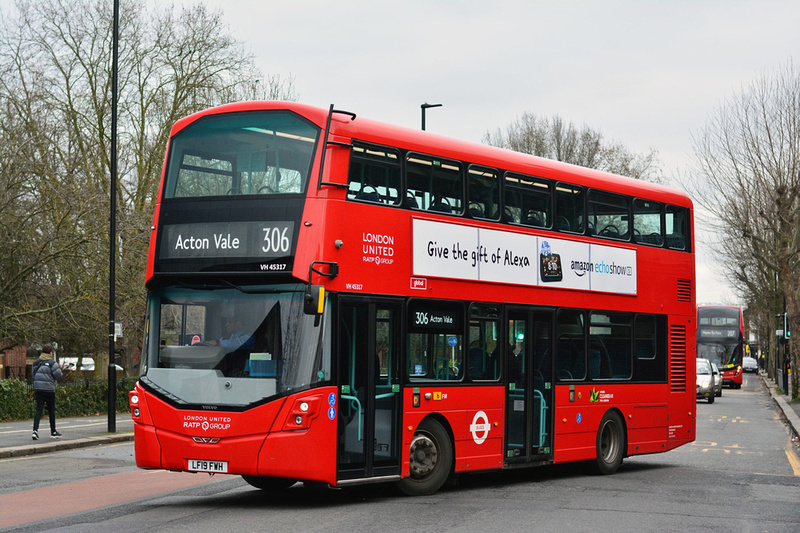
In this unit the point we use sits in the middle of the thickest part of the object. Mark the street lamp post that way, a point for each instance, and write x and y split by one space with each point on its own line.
425 106
112 237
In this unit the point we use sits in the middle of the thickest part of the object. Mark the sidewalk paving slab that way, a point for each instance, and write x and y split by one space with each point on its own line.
78 432
791 411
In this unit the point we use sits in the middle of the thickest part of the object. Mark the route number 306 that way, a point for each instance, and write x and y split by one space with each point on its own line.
276 240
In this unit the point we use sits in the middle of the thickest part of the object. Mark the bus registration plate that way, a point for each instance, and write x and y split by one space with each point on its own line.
201 465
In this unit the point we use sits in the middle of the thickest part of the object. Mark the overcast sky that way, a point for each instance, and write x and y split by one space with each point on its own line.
645 73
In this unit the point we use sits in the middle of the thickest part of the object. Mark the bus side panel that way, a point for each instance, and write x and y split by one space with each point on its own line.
682 379
578 417
475 417
648 429
306 451
575 425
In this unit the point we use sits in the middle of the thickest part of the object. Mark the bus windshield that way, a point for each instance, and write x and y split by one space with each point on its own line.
719 353
719 335
264 152
231 348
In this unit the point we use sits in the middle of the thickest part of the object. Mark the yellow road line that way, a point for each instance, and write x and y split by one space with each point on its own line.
793 460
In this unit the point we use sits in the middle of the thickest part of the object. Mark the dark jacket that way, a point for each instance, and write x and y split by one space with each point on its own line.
45 373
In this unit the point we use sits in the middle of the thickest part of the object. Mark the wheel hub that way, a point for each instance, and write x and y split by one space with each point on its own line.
423 456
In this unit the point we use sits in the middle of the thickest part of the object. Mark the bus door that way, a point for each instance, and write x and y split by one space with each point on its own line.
529 389
369 388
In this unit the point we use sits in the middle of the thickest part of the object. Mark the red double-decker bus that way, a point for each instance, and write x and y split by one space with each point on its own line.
340 301
720 339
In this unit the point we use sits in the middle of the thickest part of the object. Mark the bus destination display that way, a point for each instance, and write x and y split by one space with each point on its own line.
263 240
434 316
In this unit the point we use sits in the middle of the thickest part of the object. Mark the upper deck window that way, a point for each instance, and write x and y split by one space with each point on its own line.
647 225
718 316
484 193
570 209
434 184
677 226
609 215
248 153
528 200
374 175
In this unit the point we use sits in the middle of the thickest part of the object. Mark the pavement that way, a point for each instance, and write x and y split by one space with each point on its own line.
85 431
78 432
791 411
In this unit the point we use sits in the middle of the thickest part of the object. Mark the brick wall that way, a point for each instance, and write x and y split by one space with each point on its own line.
14 363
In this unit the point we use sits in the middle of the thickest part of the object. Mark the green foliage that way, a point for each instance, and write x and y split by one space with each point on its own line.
15 400
86 397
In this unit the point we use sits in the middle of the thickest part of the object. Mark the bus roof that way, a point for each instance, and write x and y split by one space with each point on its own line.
422 141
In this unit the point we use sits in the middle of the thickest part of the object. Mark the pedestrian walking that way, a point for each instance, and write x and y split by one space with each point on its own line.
45 374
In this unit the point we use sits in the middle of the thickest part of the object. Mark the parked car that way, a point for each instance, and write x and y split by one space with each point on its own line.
87 364
749 364
705 380
717 380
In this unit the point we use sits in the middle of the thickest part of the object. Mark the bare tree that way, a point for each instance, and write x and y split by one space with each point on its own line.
55 118
554 139
746 174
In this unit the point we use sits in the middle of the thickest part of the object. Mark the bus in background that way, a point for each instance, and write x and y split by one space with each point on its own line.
335 300
720 339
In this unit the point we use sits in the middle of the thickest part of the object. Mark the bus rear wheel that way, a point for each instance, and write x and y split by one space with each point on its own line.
430 458
610 443
268 483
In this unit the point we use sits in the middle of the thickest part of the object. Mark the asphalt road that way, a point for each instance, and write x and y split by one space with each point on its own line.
742 474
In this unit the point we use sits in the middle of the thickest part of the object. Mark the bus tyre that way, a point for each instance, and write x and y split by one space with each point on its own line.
269 483
610 443
430 458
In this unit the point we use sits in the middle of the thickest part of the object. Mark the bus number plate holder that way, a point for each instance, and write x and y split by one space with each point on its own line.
202 465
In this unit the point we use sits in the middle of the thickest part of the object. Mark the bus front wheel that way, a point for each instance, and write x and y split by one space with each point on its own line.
430 458
610 443
269 483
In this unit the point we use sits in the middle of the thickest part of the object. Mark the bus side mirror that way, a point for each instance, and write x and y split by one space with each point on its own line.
314 300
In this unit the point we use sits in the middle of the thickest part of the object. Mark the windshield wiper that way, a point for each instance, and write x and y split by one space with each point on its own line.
263 290
223 284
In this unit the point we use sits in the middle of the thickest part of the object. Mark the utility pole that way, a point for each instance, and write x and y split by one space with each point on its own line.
782 353
786 353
